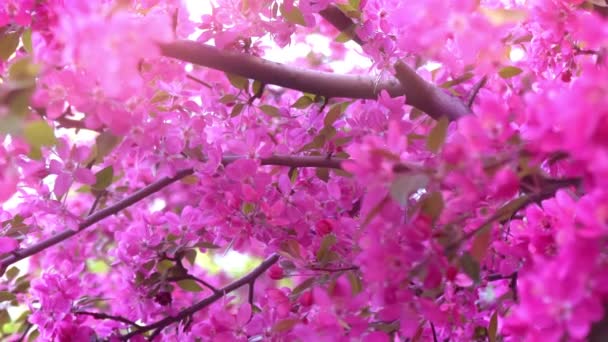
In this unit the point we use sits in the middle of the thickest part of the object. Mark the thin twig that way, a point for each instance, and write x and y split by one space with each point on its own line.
246 280
199 81
96 203
434 332
24 334
99 315
338 269
475 90
199 280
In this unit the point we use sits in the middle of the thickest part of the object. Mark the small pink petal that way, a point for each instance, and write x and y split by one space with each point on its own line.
8 244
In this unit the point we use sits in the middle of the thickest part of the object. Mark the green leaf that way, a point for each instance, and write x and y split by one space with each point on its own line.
293 175
292 249
432 205
12 273
270 110
355 282
294 15
463 78
6 296
160 96
97 266
103 178
322 173
26 39
237 109
164 265
328 241
405 185
481 242
104 144
284 325
23 70
207 245
8 44
190 180
4 317
238 81
470 267
189 285
257 87
501 16
509 71
508 210
493 327
248 208
334 113
190 255
228 98
437 135
303 286
33 335
38 133
303 102
350 10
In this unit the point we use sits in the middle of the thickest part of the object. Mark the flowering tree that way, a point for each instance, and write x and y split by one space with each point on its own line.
456 190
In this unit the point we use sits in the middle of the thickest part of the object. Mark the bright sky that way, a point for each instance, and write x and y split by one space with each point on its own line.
291 52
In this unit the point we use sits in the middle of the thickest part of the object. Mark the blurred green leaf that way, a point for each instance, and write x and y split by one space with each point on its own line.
38 133
189 285
303 286
26 39
328 241
437 135
509 71
334 113
303 102
294 15
470 267
237 109
284 325
98 266
270 110
493 327
405 185
432 204
6 296
103 178
481 242
355 282
24 70
8 44
238 81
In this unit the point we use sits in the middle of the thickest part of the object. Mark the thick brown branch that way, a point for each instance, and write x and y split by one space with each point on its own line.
249 279
418 92
428 97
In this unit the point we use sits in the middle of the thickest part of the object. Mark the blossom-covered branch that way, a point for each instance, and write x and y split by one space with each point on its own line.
248 279
418 92
292 161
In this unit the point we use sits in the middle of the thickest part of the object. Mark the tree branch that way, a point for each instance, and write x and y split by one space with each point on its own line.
293 161
99 315
248 279
418 92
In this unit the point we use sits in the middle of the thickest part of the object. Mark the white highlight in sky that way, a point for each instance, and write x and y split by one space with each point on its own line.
517 54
